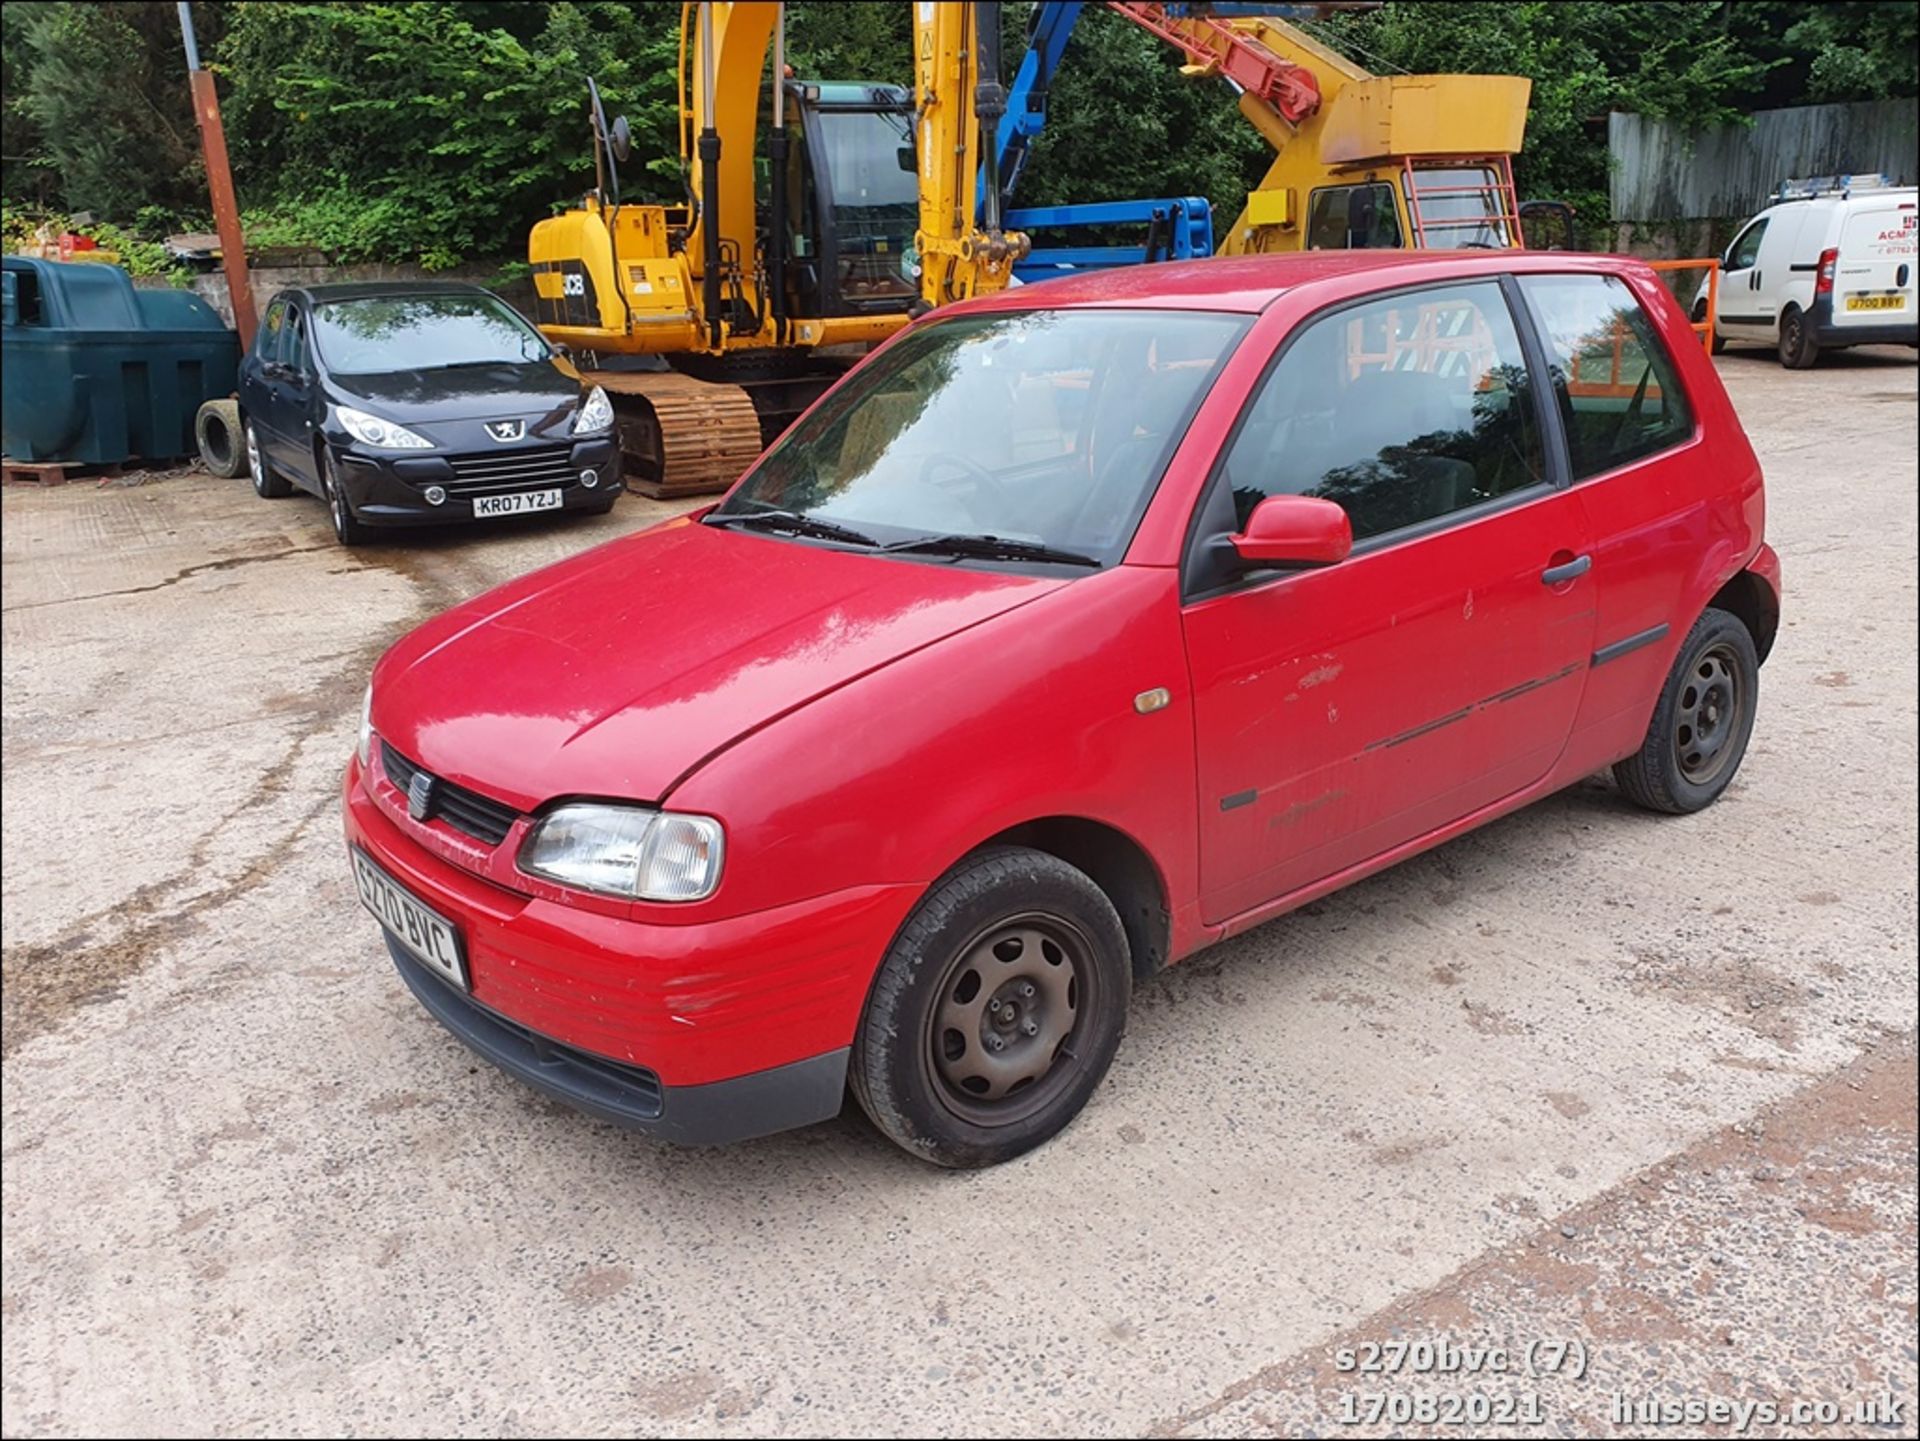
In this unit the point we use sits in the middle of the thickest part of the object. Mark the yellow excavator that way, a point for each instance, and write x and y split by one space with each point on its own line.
771 279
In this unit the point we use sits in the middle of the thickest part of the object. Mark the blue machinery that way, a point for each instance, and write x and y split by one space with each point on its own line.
1176 229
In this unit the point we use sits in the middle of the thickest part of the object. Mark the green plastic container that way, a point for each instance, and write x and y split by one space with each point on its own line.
94 371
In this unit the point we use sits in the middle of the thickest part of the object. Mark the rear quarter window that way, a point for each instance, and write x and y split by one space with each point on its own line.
1618 389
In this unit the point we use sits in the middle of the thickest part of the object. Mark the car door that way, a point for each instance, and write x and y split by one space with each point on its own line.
256 375
1873 283
290 386
1649 485
1742 312
1345 711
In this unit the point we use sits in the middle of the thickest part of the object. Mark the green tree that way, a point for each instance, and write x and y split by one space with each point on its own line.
420 131
98 110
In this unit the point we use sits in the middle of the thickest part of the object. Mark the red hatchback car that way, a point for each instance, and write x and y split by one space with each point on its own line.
1076 629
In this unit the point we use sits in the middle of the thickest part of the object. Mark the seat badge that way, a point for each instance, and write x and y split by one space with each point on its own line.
420 796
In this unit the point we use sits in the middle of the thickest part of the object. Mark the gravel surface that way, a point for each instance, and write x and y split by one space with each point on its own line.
1509 1089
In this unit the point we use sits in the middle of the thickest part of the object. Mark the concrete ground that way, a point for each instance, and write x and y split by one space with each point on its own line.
1584 1077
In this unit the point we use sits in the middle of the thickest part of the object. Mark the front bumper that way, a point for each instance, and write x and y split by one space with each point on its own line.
699 1033
715 1114
391 489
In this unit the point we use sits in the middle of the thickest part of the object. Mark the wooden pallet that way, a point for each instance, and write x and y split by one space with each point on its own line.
34 472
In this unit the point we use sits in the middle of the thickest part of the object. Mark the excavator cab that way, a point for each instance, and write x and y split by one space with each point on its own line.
853 198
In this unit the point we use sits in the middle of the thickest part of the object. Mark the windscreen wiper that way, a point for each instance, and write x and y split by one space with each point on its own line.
991 547
794 523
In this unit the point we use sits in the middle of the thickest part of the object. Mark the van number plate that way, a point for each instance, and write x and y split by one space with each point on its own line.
1876 302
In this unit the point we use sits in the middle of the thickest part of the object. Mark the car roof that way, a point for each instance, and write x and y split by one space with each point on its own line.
1250 283
380 290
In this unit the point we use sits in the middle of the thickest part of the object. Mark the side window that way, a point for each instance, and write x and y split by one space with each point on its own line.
1616 383
1353 217
294 346
1401 409
270 327
1746 247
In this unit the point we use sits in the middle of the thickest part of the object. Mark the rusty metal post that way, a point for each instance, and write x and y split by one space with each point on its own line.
226 210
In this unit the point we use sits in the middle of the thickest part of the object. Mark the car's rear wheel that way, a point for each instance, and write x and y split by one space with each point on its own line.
346 529
996 1012
266 483
1701 723
1798 350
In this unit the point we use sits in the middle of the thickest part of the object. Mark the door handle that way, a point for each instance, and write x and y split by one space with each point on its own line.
1572 570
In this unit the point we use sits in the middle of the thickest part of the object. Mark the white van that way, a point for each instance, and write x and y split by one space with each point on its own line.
1829 264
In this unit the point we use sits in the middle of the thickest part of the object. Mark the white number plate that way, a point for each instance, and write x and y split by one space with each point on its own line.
428 935
520 504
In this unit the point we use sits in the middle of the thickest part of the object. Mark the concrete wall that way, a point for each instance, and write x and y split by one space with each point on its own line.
1661 171
268 281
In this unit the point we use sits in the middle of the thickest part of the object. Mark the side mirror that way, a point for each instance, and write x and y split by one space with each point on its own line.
909 159
1294 530
559 347
620 138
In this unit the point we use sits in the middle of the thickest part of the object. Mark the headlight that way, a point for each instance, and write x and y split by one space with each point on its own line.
595 413
625 851
372 430
364 747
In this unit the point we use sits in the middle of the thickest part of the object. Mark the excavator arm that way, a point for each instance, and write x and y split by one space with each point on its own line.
958 104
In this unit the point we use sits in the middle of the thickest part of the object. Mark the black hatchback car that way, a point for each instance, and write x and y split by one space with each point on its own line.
419 404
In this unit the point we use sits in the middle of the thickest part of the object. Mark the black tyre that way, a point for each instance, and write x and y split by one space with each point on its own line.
1701 723
346 529
996 1012
266 483
1798 351
217 433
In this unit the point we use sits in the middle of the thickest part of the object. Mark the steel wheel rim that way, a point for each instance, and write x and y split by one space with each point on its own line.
1025 983
336 503
1793 333
1707 716
253 460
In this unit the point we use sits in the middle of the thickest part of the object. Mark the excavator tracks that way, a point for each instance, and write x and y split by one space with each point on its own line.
678 435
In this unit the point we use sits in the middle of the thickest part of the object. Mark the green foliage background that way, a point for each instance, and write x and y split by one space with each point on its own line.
438 131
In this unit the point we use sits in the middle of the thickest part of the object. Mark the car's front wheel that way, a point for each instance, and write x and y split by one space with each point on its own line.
996 1012
1700 318
1701 723
346 528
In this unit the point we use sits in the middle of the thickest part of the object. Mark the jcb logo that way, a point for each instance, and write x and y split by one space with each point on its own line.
573 285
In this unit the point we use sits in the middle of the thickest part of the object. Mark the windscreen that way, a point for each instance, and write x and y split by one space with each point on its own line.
1460 209
876 204
1046 426
422 332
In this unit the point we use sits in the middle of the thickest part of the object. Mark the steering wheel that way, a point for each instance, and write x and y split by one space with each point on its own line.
982 478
